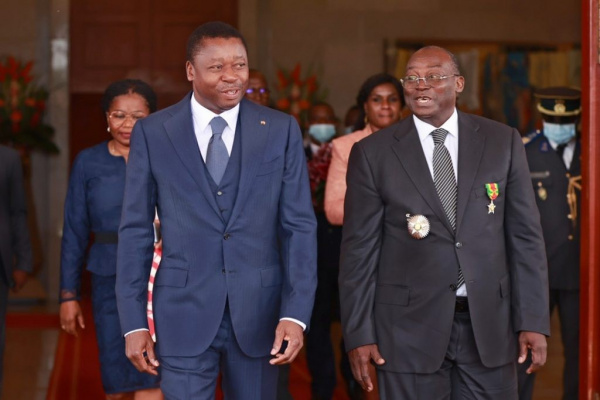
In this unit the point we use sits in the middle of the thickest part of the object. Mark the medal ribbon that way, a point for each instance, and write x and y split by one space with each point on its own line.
492 190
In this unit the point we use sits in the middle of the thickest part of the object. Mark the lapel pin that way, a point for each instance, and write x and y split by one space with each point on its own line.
492 191
263 122
418 226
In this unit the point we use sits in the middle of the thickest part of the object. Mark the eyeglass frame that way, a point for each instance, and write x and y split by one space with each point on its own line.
261 90
129 116
424 79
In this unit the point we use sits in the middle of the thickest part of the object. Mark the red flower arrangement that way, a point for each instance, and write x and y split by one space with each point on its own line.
295 95
22 105
318 167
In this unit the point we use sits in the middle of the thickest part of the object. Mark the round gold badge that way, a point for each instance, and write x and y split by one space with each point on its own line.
542 193
418 226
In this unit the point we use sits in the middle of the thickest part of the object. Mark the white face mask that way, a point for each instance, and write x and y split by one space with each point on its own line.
559 133
322 132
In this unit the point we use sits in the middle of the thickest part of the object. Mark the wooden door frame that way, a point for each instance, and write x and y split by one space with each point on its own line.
589 378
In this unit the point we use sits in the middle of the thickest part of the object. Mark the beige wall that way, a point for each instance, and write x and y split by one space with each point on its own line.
38 30
344 38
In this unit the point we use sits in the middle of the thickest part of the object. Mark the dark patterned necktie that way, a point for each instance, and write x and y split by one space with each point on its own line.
560 150
216 154
445 182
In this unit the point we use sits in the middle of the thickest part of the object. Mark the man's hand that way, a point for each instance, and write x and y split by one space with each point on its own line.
71 316
359 361
19 277
292 333
139 348
536 342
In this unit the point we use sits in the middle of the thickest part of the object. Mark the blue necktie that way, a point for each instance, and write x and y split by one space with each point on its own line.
216 154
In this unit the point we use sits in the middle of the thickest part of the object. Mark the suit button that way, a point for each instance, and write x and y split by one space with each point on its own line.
568 175
219 193
458 245
226 236
570 237
453 287
223 271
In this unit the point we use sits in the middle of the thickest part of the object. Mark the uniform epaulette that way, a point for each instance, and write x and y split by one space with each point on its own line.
530 136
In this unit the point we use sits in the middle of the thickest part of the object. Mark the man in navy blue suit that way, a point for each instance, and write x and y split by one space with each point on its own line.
238 271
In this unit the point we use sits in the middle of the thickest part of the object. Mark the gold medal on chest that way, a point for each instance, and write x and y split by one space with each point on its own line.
542 193
418 226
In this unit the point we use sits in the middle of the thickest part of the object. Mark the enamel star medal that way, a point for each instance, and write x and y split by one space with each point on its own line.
418 226
492 192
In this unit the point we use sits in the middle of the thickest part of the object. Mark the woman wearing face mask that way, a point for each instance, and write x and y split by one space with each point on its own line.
380 102
93 205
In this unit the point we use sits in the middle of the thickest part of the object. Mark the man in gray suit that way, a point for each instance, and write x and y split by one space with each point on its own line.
443 277
15 246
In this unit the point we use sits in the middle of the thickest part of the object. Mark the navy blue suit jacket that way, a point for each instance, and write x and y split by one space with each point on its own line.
263 259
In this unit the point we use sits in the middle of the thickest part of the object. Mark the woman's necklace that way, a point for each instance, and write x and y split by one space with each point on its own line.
112 148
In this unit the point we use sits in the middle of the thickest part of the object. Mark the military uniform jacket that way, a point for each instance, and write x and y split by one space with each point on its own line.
550 180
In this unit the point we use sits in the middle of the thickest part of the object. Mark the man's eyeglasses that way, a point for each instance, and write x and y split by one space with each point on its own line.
119 117
433 80
261 90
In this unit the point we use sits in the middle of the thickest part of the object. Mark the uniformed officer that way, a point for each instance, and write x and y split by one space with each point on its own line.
554 161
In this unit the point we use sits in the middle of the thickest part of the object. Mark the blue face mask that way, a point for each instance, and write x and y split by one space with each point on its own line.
322 133
559 133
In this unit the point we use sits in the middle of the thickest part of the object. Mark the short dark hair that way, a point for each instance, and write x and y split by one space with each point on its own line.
365 91
211 30
129 86
453 59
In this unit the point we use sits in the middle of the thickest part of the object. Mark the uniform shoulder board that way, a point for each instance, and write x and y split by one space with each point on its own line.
530 136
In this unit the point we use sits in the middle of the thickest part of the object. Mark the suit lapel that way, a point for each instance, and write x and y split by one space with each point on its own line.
415 165
470 152
180 130
253 136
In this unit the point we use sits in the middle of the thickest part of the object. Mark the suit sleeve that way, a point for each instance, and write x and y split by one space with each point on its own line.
335 189
525 247
21 243
360 250
76 233
136 235
298 232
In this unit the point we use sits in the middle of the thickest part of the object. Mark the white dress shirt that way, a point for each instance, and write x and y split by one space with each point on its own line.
202 117
567 153
424 130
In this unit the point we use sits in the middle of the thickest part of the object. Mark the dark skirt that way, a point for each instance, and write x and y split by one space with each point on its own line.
118 373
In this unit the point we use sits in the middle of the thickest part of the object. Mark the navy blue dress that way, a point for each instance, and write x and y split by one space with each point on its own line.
93 205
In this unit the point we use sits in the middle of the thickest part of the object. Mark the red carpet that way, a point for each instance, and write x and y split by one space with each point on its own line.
76 373
32 321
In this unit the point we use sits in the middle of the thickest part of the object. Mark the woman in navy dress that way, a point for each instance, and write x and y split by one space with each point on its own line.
93 208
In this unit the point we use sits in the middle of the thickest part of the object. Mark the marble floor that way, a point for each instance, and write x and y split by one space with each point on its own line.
30 352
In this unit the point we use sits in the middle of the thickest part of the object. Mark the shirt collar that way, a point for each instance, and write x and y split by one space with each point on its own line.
424 129
203 115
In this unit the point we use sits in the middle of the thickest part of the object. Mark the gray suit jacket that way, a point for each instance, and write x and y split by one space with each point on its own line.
14 235
397 291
